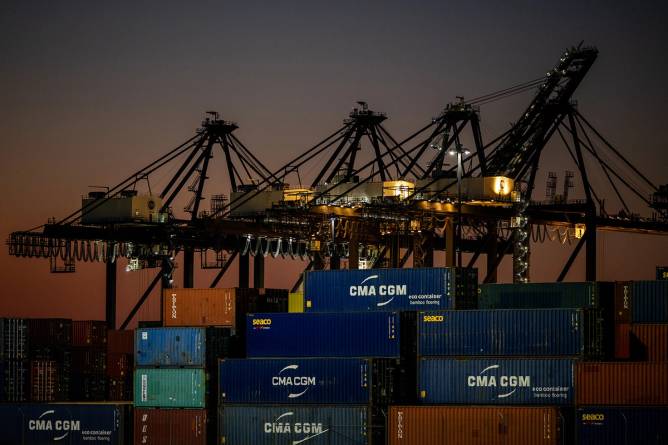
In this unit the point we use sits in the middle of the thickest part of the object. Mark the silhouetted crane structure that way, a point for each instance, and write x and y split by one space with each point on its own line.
374 209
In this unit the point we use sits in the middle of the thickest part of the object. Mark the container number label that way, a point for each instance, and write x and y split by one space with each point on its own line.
144 388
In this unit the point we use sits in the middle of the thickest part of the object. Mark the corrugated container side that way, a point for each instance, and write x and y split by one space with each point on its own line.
49 332
222 343
332 425
272 300
621 383
170 347
119 365
649 342
88 361
199 307
622 341
496 381
119 389
623 301
649 302
13 379
89 333
13 339
76 424
351 334
44 381
511 332
121 341
169 388
170 426
88 387
464 425
296 302
544 295
621 425
389 289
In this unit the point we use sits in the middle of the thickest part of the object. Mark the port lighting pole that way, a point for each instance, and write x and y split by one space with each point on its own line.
458 150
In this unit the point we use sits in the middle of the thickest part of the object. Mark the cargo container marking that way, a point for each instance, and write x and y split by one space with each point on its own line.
383 290
285 427
40 424
503 381
293 381
174 306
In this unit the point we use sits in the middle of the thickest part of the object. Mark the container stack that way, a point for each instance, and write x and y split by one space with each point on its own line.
89 360
120 364
14 368
50 353
333 371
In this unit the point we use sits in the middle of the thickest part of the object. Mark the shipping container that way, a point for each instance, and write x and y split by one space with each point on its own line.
312 380
649 301
511 332
496 381
88 387
43 332
13 339
76 424
296 302
351 334
390 289
595 295
89 361
622 425
314 425
121 341
621 383
170 347
119 389
44 381
13 380
223 343
169 388
661 273
89 333
209 307
649 342
271 300
170 426
119 365
622 339
464 425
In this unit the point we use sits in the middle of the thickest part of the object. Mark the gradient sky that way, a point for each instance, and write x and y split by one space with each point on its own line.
92 91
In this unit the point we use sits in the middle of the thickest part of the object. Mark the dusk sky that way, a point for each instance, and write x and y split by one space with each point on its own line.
92 91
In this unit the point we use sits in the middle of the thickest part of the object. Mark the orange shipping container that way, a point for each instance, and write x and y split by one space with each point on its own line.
649 342
206 307
621 383
464 425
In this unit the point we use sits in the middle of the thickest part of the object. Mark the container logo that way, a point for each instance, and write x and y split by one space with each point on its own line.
283 425
60 427
433 318
261 323
593 417
290 381
506 382
383 290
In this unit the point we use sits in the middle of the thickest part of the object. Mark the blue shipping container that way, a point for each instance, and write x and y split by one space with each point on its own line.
496 381
528 332
649 301
390 289
170 347
30 424
311 380
351 334
622 425
312 425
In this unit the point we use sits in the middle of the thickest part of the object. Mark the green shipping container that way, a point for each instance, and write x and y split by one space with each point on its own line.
546 295
169 388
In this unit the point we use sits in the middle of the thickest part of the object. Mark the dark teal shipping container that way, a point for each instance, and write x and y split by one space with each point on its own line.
170 347
390 289
496 381
594 295
624 425
511 332
649 301
170 388
349 334
76 424
312 425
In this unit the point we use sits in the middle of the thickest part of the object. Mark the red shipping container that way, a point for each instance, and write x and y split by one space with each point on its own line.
463 425
649 342
121 342
621 383
43 381
622 338
156 426
44 332
89 333
88 361
119 365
